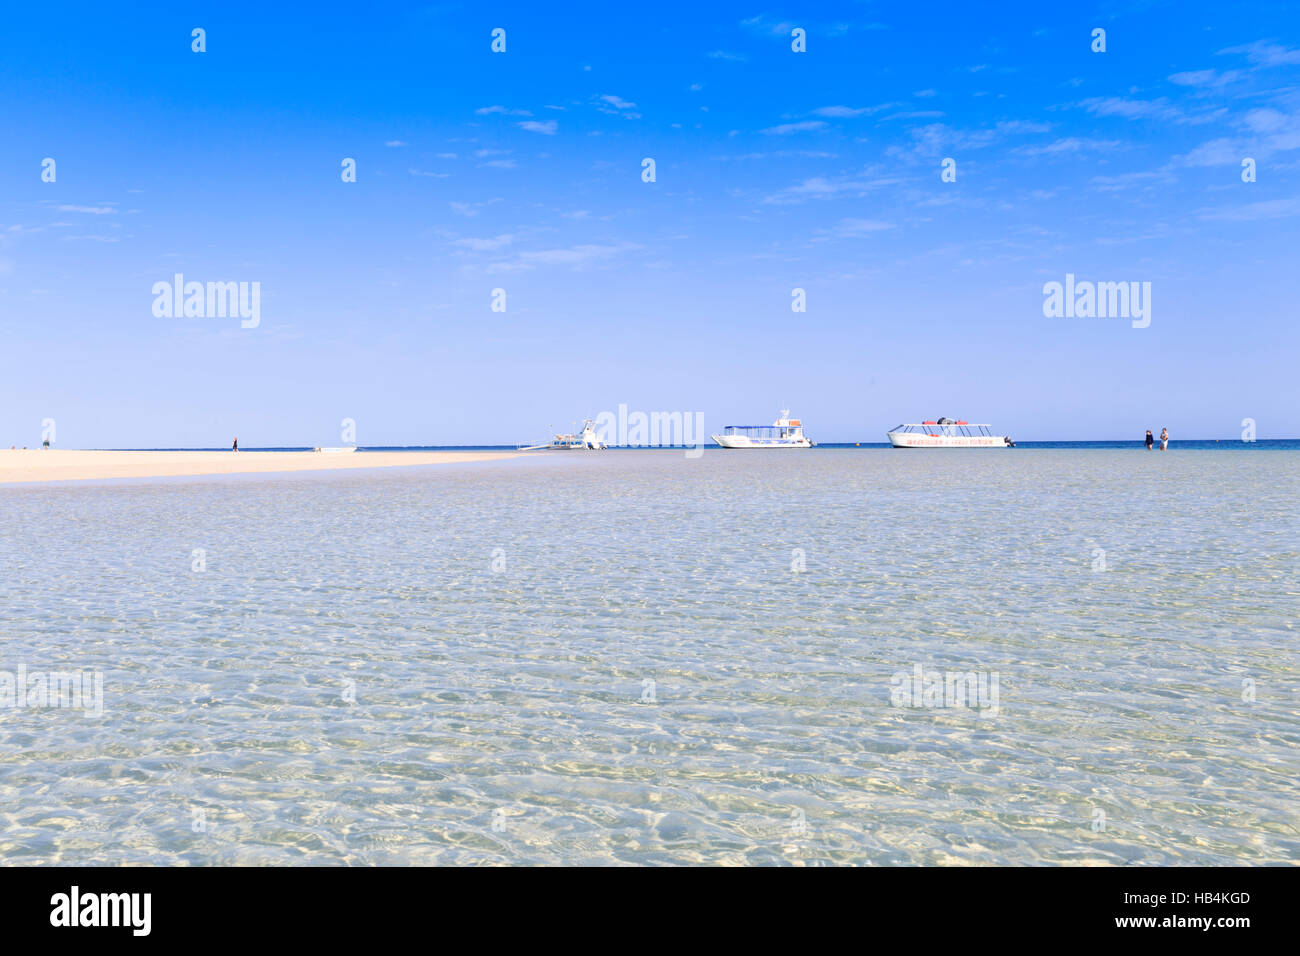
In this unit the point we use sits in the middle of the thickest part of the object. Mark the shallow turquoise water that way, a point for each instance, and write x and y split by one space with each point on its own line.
452 664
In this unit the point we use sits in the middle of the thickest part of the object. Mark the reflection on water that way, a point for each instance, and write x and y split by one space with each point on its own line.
638 658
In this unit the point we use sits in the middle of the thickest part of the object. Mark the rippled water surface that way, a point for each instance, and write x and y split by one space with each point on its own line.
614 658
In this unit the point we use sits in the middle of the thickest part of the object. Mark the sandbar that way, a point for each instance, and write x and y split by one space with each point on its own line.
59 464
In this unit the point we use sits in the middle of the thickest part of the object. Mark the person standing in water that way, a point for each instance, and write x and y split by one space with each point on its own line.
1150 441
235 446
1164 439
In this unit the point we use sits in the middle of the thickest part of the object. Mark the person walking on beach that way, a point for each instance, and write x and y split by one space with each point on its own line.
235 446
1150 441
1164 439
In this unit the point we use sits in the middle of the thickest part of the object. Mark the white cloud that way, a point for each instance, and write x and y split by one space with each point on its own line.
617 106
1124 180
1204 78
916 114
1070 144
485 245
1268 209
471 208
575 256
1159 108
819 187
1217 152
503 110
800 127
1266 120
765 24
91 210
1266 53
394 143
547 128
860 227
843 112
1129 109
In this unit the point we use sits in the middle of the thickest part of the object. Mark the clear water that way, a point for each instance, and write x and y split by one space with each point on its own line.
350 680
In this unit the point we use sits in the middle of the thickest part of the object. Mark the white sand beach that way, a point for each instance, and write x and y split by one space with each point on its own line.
34 464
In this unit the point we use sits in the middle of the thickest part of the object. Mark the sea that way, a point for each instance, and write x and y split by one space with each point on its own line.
1053 654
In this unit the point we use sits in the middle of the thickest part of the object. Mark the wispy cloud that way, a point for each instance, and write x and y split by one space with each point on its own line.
470 209
546 128
1068 144
393 143
819 187
617 106
1265 131
849 228
1266 53
90 210
1205 79
573 256
1160 109
724 55
846 112
1250 212
777 154
939 139
491 244
503 110
785 129
763 23
916 114
1217 152
1126 180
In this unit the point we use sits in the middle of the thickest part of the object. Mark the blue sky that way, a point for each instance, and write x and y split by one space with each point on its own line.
522 171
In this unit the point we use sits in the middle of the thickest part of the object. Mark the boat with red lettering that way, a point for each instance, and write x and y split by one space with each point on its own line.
946 433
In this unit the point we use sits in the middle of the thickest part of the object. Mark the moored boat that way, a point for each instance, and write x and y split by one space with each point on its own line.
785 432
946 433
587 439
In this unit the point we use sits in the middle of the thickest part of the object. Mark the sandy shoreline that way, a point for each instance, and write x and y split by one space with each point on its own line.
36 464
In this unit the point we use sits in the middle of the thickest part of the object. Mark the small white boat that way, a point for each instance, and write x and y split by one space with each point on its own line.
336 450
785 432
946 433
587 439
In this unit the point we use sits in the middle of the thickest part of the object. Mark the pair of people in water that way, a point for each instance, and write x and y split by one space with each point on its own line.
1164 439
